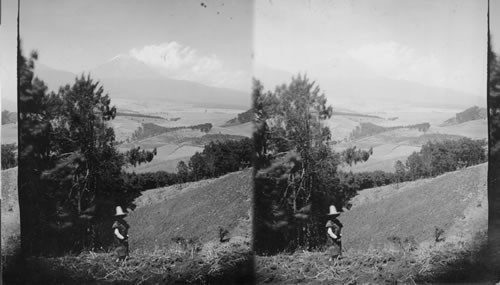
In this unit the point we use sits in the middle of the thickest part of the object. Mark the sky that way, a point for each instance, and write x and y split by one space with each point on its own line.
435 43
8 63
212 39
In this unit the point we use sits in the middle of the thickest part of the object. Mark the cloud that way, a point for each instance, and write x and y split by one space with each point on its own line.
396 61
186 63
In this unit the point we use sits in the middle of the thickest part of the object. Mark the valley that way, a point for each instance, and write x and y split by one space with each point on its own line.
397 144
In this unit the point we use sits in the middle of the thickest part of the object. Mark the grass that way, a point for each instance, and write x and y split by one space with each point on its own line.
449 262
10 212
426 231
210 264
414 209
174 239
195 214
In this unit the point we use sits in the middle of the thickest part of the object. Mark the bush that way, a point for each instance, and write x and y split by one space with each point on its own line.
436 158
9 156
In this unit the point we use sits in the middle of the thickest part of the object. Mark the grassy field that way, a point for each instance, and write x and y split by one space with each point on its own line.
476 129
157 224
174 239
389 236
415 209
245 130
172 147
10 213
391 146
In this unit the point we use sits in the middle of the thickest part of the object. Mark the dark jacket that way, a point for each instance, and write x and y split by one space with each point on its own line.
334 245
122 226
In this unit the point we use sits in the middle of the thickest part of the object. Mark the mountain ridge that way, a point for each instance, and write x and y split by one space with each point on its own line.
132 80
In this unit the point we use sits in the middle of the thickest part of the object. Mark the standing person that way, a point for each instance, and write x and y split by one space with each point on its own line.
120 231
333 233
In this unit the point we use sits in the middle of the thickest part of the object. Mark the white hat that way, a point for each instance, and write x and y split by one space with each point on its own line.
333 211
119 211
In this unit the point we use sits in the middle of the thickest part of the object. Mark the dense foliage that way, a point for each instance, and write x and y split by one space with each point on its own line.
138 115
217 158
436 158
494 160
8 117
242 118
472 113
69 169
370 129
433 159
295 168
9 156
149 130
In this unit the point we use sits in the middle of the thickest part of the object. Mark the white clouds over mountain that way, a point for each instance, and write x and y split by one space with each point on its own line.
176 61
396 61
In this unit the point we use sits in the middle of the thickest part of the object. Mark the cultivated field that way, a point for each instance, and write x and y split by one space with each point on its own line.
393 145
174 146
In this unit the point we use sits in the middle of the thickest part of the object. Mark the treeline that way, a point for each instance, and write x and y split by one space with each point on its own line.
138 115
364 180
9 156
370 129
436 158
242 118
472 113
208 138
216 159
8 117
149 130
70 171
433 159
355 115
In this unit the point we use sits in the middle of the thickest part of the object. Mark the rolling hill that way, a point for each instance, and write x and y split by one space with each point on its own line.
193 211
11 228
127 78
470 114
455 202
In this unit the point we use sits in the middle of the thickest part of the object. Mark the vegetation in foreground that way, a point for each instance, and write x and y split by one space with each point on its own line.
211 263
396 263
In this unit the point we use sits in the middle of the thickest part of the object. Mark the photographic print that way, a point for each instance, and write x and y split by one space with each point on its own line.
371 142
250 142
135 142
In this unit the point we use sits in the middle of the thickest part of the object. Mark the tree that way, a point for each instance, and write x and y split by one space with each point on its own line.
493 102
400 171
182 172
9 156
70 173
292 155
35 150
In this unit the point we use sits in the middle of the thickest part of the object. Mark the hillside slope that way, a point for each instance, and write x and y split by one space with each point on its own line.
11 228
455 202
194 212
